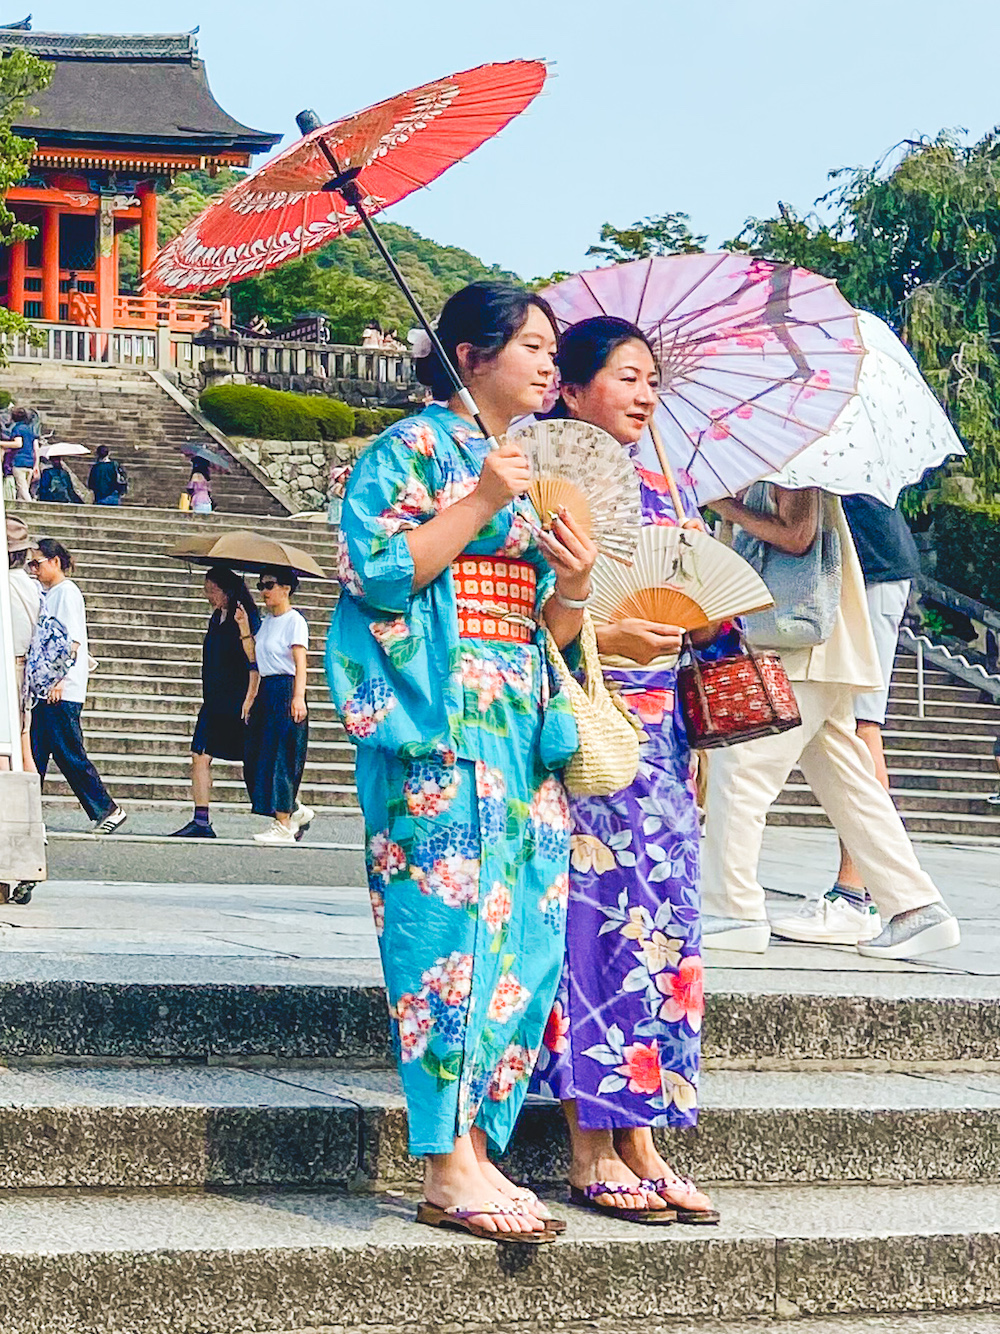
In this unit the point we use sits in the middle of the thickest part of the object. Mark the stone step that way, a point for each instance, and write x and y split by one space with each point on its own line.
977 743
122 745
98 723
161 1126
155 789
186 1263
140 696
156 1008
942 760
942 824
949 723
915 800
938 709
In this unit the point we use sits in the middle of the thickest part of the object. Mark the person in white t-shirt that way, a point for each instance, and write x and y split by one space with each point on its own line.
25 604
275 709
55 722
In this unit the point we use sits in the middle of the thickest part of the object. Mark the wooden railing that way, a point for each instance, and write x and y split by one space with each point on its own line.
179 315
97 347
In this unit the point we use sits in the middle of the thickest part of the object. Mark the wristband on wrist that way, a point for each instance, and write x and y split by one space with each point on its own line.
573 604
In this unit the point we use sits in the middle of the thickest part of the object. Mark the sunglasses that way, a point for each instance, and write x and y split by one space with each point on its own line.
266 584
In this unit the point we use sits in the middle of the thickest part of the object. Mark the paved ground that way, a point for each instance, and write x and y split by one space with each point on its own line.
306 908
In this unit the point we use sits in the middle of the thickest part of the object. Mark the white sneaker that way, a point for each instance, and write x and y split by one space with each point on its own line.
277 833
831 920
732 933
112 821
302 817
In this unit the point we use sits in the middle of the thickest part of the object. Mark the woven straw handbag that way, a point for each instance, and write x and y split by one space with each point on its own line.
608 758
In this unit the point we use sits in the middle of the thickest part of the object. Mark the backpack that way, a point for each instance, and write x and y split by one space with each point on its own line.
121 480
49 657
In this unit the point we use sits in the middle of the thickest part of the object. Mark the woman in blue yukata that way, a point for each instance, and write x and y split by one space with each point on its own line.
435 666
623 1041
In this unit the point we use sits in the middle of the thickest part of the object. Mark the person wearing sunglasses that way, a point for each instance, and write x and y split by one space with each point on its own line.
275 709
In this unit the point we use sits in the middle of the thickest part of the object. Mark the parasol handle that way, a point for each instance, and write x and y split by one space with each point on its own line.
345 184
667 471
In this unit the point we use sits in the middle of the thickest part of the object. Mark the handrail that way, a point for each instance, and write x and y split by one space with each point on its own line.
950 597
957 664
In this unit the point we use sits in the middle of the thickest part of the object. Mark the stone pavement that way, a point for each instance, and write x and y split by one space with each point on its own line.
203 1133
325 916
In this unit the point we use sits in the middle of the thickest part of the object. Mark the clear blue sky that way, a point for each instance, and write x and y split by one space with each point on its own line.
718 108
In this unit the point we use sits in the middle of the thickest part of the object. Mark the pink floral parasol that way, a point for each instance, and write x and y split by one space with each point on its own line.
757 359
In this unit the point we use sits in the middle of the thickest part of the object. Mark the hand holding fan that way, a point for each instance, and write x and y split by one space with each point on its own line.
582 467
678 576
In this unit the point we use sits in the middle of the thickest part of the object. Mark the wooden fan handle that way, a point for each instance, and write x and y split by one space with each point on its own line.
667 471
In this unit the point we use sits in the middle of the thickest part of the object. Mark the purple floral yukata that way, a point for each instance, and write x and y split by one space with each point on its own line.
624 1036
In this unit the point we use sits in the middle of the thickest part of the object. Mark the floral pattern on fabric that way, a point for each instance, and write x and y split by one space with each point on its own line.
623 1037
467 830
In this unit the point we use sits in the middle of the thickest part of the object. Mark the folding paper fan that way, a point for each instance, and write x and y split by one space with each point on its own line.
678 576
582 467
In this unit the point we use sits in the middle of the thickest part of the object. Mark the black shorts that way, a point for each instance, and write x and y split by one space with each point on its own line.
219 734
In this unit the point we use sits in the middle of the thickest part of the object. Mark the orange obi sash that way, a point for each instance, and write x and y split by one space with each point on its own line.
496 598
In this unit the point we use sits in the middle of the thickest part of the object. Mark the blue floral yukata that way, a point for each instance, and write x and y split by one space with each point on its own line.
467 828
624 1036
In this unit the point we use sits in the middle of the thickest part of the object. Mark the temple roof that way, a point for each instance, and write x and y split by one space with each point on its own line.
117 89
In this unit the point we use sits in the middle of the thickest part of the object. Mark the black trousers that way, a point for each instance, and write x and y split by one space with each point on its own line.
56 735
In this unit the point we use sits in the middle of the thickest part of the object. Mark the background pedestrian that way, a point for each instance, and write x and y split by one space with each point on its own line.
220 732
55 722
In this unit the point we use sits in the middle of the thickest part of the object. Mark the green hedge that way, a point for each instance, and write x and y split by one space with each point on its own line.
967 539
268 414
373 421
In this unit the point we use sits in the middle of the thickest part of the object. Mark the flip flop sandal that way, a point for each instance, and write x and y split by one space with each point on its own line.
586 1199
461 1219
528 1198
666 1187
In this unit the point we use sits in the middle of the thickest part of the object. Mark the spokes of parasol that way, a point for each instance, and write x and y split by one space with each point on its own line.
337 176
62 449
242 549
885 438
757 359
193 450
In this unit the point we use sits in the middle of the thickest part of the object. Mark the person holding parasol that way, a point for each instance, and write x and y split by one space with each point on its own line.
634 873
435 667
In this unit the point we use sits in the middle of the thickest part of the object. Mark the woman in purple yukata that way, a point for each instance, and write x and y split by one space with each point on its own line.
621 1050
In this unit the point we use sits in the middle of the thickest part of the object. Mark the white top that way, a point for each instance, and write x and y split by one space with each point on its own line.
65 602
274 642
25 601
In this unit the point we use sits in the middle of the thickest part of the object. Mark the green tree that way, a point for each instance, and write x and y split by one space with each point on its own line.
916 240
300 286
667 234
21 75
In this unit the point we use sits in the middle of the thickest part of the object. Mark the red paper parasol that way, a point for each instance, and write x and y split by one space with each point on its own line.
292 204
333 179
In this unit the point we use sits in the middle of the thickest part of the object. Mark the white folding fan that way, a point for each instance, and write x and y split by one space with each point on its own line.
582 467
678 576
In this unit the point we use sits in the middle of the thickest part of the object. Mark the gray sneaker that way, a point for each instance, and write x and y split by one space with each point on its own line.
733 933
909 934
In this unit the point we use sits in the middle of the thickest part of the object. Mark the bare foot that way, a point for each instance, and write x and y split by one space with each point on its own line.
502 1186
595 1159
454 1180
638 1149
608 1167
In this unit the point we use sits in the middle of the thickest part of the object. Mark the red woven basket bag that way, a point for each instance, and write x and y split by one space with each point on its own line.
735 699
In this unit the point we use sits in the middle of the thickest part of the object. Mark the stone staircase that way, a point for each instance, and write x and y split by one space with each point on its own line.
941 766
218 1147
147 616
144 427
